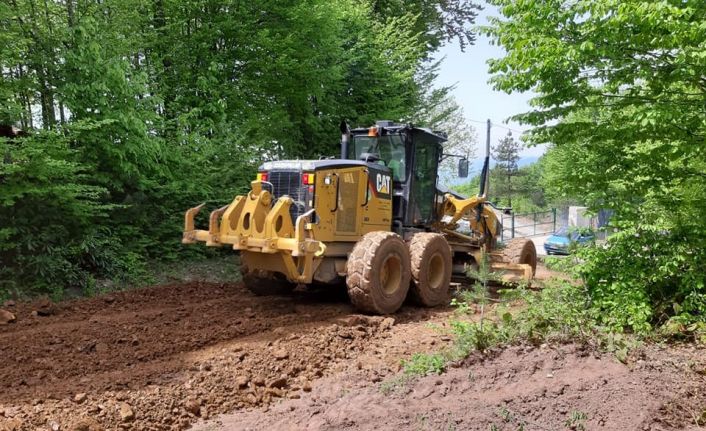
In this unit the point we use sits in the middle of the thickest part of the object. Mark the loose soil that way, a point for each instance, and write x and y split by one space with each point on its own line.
522 388
215 356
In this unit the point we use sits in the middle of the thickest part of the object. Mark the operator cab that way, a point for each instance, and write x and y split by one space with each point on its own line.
413 154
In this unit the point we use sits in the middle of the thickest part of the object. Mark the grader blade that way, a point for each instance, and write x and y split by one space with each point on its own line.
513 273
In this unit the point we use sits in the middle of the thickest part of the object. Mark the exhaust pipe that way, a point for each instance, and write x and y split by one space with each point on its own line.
345 139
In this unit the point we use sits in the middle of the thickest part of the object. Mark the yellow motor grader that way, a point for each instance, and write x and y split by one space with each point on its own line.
374 218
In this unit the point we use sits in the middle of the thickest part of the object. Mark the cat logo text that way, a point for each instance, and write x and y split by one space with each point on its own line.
382 184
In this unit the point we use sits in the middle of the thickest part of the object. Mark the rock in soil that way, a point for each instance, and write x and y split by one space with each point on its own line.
44 307
86 424
280 354
242 381
192 406
6 317
14 424
126 412
278 383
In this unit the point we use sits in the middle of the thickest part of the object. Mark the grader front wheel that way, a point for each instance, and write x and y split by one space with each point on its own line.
430 256
521 250
378 273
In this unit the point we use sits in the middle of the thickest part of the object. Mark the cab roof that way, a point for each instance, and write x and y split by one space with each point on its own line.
390 128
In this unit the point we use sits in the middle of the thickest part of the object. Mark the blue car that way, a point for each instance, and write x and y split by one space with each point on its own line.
561 241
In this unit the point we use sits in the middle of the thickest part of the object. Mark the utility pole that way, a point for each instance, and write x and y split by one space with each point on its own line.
487 138
484 174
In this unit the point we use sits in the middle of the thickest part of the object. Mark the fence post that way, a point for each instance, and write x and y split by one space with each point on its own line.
502 227
512 229
534 223
554 220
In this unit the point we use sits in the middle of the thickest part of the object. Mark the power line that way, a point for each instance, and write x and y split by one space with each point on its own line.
497 125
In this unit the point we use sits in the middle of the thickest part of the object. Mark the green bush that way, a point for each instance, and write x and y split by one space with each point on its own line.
46 208
645 277
474 336
559 312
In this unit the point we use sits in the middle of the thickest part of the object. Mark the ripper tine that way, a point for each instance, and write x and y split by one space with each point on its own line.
189 224
214 227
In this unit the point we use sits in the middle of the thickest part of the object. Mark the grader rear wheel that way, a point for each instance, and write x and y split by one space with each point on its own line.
521 250
430 256
378 273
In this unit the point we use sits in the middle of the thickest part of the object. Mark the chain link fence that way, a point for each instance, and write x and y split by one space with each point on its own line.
531 224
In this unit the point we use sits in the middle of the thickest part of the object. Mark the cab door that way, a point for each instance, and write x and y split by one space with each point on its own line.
424 175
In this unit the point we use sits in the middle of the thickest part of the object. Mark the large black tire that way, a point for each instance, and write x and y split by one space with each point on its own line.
521 250
266 283
430 257
378 273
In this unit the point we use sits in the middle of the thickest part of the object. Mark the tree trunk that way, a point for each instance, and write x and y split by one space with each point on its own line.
70 13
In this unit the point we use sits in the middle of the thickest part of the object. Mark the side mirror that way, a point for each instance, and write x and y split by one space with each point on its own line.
463 168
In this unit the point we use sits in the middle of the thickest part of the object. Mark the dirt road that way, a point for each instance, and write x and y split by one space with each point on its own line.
166 357
158 358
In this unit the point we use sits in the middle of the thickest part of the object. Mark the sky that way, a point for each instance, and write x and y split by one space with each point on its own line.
469 72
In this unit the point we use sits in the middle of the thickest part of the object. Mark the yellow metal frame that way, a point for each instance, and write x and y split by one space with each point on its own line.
251 224
467 209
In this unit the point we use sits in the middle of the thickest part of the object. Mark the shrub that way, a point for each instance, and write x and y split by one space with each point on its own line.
46 208
645 277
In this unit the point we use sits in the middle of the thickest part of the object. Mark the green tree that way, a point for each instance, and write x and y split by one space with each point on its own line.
436 22
506 154
135 111
47 213
620 93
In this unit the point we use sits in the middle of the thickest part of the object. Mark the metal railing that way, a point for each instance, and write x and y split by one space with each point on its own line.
528 224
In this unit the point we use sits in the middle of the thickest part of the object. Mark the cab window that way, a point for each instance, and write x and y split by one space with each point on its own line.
389 149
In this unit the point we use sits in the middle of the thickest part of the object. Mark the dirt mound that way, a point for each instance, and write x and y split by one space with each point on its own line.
522 388
162 357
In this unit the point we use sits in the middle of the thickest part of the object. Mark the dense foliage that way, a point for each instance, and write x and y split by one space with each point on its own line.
135 111
620 97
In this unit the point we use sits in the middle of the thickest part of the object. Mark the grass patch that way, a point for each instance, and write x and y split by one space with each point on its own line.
419 365
397 384
424 364
576 421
